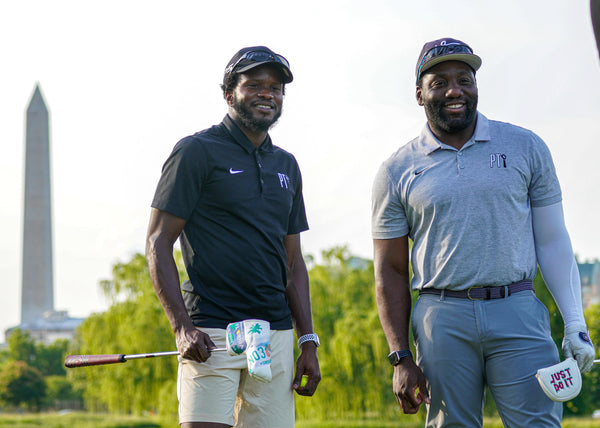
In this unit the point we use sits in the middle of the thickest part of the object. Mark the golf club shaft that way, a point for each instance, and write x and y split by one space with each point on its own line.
96 360
161 354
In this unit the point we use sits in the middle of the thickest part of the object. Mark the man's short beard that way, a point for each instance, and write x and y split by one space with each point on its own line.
440 120
250 121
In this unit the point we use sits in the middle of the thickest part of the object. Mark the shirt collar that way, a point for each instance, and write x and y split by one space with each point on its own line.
429 143
240 138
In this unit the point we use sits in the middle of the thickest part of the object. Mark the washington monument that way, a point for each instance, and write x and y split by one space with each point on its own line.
37 295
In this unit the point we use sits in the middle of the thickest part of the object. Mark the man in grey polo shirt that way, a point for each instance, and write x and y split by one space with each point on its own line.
234 200
481 203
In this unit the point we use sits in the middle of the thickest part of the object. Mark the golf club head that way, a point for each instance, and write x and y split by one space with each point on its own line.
562 381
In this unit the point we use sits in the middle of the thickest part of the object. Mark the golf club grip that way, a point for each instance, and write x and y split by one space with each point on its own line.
93 360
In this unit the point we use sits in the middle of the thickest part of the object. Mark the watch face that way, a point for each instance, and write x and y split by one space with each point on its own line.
396 356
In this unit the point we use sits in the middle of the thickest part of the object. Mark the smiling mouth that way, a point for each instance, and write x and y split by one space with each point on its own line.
264 106
455 106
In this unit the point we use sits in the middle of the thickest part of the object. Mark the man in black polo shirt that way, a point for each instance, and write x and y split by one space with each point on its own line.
235 201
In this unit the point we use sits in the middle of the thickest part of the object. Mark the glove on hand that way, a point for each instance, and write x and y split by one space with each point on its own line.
577 344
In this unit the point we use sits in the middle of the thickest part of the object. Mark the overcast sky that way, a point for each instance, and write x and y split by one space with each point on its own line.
125 80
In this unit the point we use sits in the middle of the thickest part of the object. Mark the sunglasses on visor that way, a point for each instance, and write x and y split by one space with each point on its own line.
441 51
259 56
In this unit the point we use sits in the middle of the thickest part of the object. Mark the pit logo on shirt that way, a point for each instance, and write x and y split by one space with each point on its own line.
284 180
497 160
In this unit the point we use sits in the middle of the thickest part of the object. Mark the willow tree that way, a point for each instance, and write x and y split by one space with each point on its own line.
135 323
356 376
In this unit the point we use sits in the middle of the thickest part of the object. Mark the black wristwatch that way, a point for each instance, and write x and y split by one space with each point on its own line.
396 356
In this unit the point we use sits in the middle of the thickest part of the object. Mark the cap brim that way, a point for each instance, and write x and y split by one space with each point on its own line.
471 59
286 72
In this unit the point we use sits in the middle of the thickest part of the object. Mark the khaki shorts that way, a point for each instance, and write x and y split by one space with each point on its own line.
220 390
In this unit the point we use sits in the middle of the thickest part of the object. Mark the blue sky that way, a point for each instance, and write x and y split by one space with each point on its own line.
124 80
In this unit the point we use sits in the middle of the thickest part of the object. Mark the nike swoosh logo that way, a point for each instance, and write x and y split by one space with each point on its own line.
419 172
235 171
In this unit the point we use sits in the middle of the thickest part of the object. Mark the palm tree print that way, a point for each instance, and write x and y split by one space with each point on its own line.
255 329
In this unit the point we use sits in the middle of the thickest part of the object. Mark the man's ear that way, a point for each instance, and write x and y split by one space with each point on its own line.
229 98
419 95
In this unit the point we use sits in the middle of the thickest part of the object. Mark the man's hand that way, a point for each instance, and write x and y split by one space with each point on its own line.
410 386
577 344
193 344
307 365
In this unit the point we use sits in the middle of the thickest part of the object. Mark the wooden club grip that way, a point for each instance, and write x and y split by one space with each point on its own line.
93 360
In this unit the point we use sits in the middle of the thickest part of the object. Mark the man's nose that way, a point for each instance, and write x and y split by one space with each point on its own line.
265 92
454 90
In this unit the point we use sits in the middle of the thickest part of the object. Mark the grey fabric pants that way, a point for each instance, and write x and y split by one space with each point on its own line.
462 345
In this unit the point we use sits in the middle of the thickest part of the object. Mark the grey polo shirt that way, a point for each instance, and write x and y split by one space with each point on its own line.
468 211
239 202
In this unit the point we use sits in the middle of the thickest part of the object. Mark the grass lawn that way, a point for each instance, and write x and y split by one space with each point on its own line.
95 420
79 420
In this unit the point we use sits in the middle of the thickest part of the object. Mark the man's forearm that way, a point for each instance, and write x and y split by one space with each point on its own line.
298 295
392 289
393 297
165 280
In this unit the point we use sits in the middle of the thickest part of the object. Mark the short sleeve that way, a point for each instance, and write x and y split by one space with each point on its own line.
388 217
180 184
297 222
544 188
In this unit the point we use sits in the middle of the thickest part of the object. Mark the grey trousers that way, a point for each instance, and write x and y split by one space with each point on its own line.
462 345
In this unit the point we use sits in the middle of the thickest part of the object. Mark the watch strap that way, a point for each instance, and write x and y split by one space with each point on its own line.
395 356
311 337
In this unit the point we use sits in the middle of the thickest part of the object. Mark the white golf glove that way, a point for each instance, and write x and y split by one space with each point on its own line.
577 344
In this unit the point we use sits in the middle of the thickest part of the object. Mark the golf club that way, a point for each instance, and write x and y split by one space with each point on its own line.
97 360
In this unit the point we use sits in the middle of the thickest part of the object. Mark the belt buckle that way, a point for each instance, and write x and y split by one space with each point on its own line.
469 293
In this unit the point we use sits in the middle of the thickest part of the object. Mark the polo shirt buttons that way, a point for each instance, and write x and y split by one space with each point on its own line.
460 160
259 164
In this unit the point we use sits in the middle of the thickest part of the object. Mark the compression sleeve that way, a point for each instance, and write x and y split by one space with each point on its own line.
557 262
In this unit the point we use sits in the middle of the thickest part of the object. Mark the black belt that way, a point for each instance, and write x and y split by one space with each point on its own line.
483 293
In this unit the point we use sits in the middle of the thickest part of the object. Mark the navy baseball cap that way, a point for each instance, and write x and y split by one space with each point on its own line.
248 58
445 49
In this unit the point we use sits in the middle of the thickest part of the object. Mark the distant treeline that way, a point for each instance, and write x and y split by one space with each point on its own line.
356 377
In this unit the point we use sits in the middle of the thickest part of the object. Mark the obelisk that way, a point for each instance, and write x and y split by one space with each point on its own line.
37 295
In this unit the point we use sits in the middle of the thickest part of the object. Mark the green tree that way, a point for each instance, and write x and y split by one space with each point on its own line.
49 359
21 346
21 385
357 379
135 323
59 390
356 375
588 399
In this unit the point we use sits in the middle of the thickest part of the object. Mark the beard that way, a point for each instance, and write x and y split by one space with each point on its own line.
250 121
441 120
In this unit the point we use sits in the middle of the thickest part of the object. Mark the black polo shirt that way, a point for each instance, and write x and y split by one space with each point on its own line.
239 203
